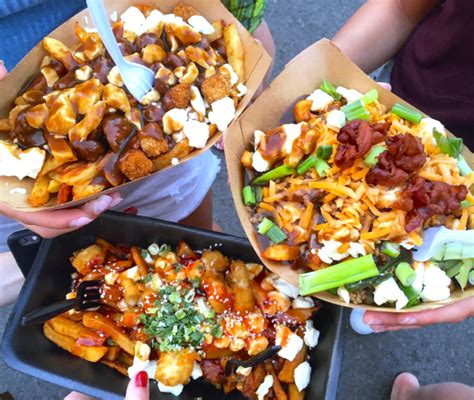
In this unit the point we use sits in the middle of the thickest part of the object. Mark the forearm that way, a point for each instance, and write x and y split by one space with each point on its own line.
12 279
377 30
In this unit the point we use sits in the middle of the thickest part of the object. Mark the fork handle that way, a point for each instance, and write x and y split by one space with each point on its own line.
44 314
101 22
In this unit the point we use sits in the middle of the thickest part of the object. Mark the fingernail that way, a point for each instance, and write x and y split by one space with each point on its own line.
115 202
358 324
408 321
101 204
141 379
79 222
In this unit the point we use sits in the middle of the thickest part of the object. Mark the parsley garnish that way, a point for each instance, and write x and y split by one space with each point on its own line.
110 342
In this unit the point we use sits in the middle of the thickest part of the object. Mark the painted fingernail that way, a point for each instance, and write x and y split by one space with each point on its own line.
141 379
101 204
115 201
358 324
79 222
408 321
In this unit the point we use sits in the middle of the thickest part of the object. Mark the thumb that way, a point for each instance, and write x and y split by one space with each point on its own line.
3 70
138 387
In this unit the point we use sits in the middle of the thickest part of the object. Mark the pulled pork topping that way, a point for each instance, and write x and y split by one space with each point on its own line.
405 155
356 139
424 199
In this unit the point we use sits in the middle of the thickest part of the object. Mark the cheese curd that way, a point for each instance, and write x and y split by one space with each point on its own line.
174 120
311 334
336 119
133 273
264 388
330 251
286 288
197 133
389 292
320 100
133 19
84 73
419 268
201 24
259 163
302 302
241 90
435 283
234 78
343 293
292 132
222 114
197 371
174 390
197 102
428 126
14 162
244 371
291 344
350 95
302 375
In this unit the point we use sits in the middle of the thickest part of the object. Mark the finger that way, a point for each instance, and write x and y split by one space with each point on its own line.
385 85
47 233
3 70
138 387
63 219
77 396
380 329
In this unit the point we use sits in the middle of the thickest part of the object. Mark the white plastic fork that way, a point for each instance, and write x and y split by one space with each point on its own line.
435 237
137 78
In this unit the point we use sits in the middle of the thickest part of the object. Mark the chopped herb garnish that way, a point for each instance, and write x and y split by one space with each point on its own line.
164 250
144 253
110 342
147 279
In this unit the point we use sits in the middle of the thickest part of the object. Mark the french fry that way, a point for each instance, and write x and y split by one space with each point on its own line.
85 189
287 373
234 50
277 388
294 393
111 248
39 194
49 165
125 359
139 261
75 330
217 34
131 294
175 368
240 285
98 322
89 353
115 365
60 51
179 151
5 125
64 194
60 150
281 252
85 259
112 353
54 186
76 174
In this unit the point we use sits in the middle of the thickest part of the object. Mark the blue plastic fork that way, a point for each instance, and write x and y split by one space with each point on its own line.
137 78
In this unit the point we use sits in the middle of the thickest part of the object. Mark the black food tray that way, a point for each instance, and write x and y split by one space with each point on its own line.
48 271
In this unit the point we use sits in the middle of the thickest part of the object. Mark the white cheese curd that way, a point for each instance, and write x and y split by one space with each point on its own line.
234 78
284 287
197 133
14 162
356 249
264 388
428 126
302 302
152 96
336 119
222 114
18 191
350 95
133 19
133 273
389 292
114 16
435 293
174 161
435 276
197 102
244 371
174 390
292 346
386 199
111 277
302 375
311 334
174 120
407 244
343 293
419 268
292 132
152 21
259 164
197 371
241 90
84 73
258 136
201 24
320 100
329 252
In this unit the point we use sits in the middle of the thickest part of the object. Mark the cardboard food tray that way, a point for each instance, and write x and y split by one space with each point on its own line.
257 64
302 76
27 350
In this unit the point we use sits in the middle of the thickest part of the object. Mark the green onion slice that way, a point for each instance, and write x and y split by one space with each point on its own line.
370 96
372 158
265 226
330 90
249 196
390 249
356 110
405 274
276 173
324 152
407 113
276 235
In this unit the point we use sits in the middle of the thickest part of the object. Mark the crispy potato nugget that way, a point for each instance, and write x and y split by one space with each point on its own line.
240 284
215 88
234 50
89 353
184 11
215 260
281 252
39 194
85 259
178 96
175 368
134 164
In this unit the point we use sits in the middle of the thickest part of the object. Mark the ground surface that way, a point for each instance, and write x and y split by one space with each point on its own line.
435 354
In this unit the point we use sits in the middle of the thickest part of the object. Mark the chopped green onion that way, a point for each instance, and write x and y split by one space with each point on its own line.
463 275
471 278
372 158
405 274
450 146
390 249
464 167
322 167
317 162
407 113
453 270
276 235
466 204
258 195
265 226
370 96
356 110
276 173
249 196
306 165
154 249
324 152
330 90
338 275
413 296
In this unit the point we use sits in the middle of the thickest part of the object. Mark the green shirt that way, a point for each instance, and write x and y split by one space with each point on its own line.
248 12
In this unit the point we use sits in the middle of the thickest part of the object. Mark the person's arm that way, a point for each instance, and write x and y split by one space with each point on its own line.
379 28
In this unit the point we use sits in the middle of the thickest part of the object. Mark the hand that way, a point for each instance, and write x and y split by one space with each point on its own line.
137 389
3 70
50 224
382 322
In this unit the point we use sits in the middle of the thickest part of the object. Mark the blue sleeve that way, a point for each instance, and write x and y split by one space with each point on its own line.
23 23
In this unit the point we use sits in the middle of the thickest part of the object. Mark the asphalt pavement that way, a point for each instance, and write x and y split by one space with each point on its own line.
370 363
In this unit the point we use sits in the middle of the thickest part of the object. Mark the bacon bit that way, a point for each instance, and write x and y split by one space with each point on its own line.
356 139
90 341
424 199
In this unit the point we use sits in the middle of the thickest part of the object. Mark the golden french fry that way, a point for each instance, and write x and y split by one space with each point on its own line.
54 186
59 51
85 259
175 368
234 50
73 329
89 353
139 261
277 388
75 174
281 252
39 194
113 353
86 189
97 321
240 285
89 123
180 150
5 125
287 373
61 152
85 95
61 117
217 34
49 165
294 393
115 365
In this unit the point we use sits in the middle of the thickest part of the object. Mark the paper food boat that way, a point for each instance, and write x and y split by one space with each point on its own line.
302 76
257 64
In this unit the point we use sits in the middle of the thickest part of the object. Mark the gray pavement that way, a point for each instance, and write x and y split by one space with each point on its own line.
435 354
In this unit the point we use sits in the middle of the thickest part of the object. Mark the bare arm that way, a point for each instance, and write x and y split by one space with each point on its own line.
12 279
379 28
